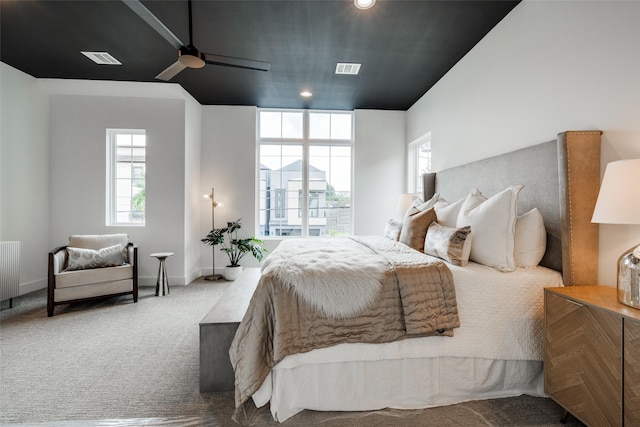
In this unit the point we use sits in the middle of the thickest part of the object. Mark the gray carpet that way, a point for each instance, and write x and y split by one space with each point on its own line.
115 363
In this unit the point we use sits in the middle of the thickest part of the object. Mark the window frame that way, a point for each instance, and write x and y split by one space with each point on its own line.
305 142
111 214
414 176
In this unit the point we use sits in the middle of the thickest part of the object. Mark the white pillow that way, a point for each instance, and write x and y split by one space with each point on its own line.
448 213
530 239
419 206
493 223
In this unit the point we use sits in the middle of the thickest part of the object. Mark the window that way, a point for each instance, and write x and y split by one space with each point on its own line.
419 162
126 166
305 164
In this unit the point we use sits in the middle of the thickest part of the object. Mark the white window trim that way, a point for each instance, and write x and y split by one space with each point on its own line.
412 162
306 142
111 203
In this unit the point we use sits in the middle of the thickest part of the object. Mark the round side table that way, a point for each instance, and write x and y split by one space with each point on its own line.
163 279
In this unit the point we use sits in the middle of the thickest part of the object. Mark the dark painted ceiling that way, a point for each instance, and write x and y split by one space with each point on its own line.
404 46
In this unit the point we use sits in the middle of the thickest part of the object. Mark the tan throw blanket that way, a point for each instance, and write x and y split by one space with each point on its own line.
416 298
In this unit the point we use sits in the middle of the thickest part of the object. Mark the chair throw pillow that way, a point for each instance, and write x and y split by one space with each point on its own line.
81 258
414 229
451 244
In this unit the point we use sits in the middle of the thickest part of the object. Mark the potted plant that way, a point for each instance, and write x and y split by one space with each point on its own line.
235 248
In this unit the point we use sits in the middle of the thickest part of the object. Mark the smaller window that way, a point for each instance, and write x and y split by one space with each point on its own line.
419 162
126 166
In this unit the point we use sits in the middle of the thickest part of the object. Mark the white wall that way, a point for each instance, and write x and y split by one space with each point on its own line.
192 189
24 172
379 168
228 163
77 175
548 67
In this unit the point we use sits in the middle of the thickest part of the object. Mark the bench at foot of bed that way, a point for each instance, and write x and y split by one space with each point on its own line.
217 330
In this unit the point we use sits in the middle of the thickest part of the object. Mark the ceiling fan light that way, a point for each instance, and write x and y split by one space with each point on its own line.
191 59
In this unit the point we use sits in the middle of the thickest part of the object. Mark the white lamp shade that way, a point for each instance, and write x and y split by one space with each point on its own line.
619 197
404 202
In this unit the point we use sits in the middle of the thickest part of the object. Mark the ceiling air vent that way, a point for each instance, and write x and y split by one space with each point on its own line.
102 58
347 68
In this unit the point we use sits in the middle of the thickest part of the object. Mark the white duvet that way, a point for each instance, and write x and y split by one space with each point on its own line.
496 352
501 317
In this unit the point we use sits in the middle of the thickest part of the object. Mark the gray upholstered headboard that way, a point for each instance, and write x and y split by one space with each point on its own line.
561 179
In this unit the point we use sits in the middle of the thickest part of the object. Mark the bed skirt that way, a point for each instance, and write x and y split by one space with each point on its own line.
400 384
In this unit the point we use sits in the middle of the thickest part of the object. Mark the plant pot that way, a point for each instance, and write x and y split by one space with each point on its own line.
232 272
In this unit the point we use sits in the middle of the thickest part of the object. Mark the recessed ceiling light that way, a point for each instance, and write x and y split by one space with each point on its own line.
349 68
102 58
306 94
364 4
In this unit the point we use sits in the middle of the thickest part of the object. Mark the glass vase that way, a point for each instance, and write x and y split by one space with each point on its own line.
629 278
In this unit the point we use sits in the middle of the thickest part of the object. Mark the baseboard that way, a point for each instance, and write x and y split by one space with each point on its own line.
32 286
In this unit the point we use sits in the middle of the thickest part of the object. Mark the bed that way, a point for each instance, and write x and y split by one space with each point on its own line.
495 350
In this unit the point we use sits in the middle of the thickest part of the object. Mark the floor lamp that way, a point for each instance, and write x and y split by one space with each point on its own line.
214 205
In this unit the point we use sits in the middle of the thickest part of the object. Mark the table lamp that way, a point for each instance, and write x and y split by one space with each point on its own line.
404 202
619 203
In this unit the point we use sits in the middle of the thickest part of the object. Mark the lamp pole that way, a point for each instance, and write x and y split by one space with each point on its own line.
214 204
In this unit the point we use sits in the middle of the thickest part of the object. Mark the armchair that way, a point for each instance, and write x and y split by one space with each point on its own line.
91 267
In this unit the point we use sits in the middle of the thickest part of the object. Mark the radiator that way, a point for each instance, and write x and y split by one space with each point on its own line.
9 270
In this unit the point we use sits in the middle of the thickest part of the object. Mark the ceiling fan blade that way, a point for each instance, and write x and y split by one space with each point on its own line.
229 61
171 71
154 22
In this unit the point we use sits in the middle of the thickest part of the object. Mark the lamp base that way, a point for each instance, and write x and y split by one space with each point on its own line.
629 278
213 277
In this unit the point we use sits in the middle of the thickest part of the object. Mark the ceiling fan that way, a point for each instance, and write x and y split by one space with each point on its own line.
188 55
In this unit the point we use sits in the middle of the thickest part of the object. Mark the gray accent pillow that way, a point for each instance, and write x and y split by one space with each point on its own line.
392 230
81 258
451 244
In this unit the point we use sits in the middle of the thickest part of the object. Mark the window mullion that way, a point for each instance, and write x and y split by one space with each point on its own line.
111 181
305 175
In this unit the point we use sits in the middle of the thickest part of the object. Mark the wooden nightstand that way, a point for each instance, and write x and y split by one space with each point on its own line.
592 355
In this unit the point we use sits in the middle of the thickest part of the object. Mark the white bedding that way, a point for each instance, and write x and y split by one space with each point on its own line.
496 352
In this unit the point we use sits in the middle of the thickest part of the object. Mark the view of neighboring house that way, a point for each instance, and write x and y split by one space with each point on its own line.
281 203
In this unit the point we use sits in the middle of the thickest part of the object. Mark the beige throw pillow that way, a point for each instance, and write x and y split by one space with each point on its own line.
414 229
